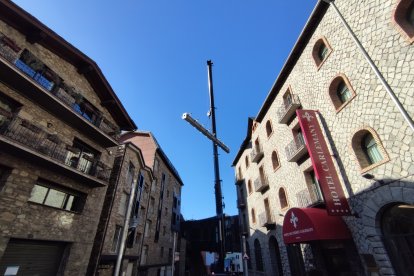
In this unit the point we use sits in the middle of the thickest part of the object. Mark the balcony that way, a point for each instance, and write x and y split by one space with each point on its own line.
46 88
267 220
256 154
296 148
239 180
288 108
261 184
309 197
28 141
241 203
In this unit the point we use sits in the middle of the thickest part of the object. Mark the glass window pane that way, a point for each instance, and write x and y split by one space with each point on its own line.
371 149
410 15
55 198
323 51
69 203
38 194
343 92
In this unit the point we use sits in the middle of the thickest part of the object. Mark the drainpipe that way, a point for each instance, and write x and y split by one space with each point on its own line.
380 77
121 248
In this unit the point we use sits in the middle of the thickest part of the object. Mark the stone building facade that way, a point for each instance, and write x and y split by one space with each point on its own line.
162 223
115 234
370 144
59 119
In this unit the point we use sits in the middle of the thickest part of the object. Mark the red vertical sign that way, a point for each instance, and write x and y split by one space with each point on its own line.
336 202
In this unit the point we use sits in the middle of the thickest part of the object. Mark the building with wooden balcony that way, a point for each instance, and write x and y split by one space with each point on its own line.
336 133
60 122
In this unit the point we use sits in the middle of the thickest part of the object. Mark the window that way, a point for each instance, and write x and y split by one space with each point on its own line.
117 238
164 229
52 195
123 204
340 92
156 165
321 51
258 255
81 157
147 229
282 198
247 161
4 174
240 175
130 174
162 252
275 160
144 255
152 205
269 129
287 98
249 186
404 19
368 149
371 150
253 213
8 107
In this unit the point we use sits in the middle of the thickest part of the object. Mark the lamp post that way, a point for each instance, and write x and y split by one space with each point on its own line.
217 182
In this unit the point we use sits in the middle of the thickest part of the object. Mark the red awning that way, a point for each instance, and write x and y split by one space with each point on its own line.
310 224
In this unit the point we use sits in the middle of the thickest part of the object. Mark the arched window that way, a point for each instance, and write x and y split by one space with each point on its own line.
282 198
247 161
249 186
368 149
275 258
321 51
275 160
340 91
258 255
397 225
269 129
404 18
253 213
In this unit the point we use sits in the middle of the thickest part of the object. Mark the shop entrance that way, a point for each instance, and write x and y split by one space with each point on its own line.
338 258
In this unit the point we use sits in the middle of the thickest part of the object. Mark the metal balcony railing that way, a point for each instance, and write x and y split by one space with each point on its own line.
266 219
261 184
257 153
309 196
296 148
54 85
241 203
288 108
33 137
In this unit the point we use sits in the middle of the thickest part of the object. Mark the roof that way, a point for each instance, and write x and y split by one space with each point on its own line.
307 32
245 142
37 32
149 152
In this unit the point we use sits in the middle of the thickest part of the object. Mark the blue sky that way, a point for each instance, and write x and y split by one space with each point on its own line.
154 53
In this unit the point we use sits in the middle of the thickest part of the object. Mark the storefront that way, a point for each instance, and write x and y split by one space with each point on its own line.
319 244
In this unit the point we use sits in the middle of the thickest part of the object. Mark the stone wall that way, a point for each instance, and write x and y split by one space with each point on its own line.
372 22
